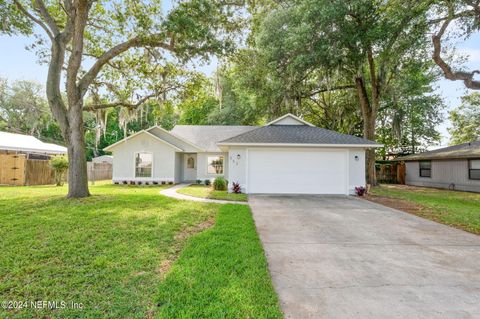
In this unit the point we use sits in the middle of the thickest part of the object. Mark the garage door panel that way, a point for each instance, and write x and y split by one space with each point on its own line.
297 172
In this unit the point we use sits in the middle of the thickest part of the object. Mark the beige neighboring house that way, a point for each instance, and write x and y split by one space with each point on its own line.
454 167
286 156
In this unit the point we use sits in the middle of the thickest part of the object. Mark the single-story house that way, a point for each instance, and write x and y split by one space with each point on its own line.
285 156
454 167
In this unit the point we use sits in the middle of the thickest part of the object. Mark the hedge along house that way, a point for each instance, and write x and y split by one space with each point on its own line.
455 167
285 156
24 159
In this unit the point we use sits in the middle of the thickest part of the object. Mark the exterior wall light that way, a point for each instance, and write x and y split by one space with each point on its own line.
238 156
357 158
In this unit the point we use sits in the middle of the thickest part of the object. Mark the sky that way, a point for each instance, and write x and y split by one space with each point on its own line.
17 63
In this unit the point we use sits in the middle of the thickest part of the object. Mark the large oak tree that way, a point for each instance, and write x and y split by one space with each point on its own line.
363 43
83 41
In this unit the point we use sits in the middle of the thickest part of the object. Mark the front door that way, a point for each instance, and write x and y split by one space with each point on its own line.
189 167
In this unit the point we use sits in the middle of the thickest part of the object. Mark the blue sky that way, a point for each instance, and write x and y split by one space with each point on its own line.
17 63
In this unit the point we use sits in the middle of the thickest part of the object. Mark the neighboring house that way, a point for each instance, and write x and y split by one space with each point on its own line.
455 167
27 144
104 159
24 159
286 156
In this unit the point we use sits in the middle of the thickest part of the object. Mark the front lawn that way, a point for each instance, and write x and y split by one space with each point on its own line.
457 209
208 192
110 252
222 273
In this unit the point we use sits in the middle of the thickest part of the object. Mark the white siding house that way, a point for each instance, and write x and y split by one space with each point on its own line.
285 156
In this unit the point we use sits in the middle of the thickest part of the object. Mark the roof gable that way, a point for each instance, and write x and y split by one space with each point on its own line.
289 119
119 143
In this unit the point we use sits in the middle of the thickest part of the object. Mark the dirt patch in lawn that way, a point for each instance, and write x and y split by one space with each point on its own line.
180 238
416 209
404 205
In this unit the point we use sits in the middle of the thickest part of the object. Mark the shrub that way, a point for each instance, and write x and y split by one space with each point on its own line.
155 183
60 166
236 188
207 182
170 183
163 182
360 190
199 181
220 184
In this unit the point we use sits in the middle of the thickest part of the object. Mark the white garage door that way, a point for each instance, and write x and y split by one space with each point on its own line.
290 171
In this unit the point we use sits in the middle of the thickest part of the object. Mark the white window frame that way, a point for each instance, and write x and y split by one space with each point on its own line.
135 164
223 165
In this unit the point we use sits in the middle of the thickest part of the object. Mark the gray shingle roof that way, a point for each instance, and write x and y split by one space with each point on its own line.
466 150
207 136
296 134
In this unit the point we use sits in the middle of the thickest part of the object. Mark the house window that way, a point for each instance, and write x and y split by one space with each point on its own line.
474 169
190 162
215 165
425 169
143 164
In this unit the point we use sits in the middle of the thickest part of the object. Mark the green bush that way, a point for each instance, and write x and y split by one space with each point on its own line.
207 182
220 184
60 166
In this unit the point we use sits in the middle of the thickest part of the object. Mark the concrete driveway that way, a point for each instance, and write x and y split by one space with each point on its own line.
342 257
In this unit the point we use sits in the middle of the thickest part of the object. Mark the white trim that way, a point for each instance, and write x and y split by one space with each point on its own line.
303 145
135 164
223 165
292 116
347 169
178 137
246 171
108 148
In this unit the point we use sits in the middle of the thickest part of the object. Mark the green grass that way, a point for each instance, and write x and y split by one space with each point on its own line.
208 192
106 252
458 209
222 273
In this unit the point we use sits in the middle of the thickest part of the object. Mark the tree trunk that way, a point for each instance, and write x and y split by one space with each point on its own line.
71 125
369 118
77 173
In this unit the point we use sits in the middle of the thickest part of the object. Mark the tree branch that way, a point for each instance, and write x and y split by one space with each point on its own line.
94 107
335 88
34 19
155 40
48 18
466 77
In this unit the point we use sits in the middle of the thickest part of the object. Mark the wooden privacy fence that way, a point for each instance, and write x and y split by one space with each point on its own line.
12 169
16 169
390 172
99 171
